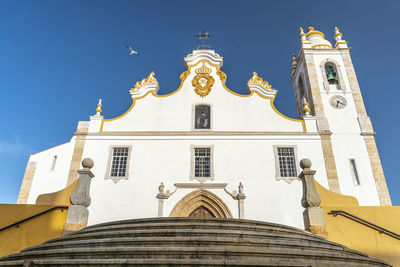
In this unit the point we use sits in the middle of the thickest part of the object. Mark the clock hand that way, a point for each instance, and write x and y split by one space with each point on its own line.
337 103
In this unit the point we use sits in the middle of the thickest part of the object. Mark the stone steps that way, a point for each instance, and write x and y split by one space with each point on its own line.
189 242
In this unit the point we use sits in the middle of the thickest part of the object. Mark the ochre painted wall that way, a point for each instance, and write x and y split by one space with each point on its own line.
32 232
357 236
37 230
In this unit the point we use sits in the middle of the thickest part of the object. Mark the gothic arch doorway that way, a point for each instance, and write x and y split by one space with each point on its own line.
201 203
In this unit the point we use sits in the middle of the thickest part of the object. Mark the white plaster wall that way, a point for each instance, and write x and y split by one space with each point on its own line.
156 159
46 180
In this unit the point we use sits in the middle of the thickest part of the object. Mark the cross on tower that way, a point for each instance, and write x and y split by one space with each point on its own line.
203 35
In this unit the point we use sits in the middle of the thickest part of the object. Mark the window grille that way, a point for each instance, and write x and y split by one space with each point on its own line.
202 117
202 162
287 162
354 172
119 162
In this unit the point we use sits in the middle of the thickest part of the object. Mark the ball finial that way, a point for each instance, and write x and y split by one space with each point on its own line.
87 163
305 163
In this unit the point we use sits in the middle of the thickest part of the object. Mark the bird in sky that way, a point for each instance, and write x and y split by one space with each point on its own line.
132 51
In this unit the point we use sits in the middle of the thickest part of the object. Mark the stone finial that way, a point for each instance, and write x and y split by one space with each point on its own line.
305 164
311 197
78 213
313 215
98 109
87 163
294 60
81 196
302 35
306 108
338 35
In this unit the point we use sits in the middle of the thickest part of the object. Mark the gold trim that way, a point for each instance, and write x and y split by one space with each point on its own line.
322 45
315 32
183 75
222 75
340 42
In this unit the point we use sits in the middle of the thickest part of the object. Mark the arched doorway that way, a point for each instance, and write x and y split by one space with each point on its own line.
201 204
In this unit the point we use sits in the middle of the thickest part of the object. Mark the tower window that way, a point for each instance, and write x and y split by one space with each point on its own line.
354 173
118 163
202 117
285 162
53 165
202 163
331 74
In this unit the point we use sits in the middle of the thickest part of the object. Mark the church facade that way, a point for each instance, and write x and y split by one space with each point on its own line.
207 151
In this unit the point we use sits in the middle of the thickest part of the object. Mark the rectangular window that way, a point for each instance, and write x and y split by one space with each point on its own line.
119 162
354 172
202 162
53 165
287 162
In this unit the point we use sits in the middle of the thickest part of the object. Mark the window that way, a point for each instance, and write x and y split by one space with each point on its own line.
202 165
202 118
118 163
53 165
354 173
286 162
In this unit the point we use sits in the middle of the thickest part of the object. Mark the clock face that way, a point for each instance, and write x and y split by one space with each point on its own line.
338 101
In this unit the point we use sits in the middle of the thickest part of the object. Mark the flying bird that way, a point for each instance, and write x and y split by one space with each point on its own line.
132 51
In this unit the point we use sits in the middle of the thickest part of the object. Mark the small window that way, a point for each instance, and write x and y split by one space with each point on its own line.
202 165
354 173
53 165
331 74
286 162
202 117
118 163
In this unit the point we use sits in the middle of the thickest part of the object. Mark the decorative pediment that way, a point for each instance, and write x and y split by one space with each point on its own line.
263 87
146 85
203 54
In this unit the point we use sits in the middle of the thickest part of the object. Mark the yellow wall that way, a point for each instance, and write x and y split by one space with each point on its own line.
37 230
357 236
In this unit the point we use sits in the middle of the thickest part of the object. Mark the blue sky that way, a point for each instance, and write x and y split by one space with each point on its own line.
57 58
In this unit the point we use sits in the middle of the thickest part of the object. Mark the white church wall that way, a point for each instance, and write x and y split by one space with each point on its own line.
167 159
51 175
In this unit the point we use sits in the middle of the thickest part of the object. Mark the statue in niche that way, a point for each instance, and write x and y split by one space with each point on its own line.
202 117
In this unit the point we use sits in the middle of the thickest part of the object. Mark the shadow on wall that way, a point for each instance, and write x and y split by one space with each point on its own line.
358 236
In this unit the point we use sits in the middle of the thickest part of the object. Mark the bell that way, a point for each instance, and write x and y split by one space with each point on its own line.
331 78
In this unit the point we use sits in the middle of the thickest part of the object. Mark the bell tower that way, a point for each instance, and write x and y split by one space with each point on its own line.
326 86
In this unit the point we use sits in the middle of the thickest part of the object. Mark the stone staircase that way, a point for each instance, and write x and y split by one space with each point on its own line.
189 242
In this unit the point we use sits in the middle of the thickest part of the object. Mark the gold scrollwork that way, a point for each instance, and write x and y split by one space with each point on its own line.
221 75
184 75
203 82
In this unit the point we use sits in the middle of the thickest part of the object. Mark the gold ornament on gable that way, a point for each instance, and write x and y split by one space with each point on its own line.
149 79
203 82
258 80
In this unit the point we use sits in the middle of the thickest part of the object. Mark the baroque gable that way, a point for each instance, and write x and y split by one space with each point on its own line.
203 83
